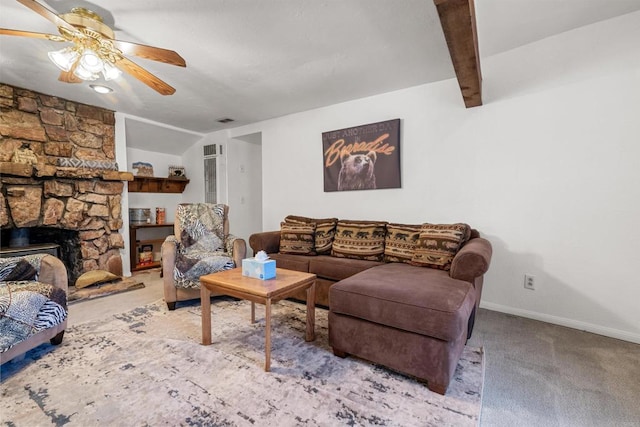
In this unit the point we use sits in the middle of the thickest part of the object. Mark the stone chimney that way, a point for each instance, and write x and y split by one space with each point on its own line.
57 171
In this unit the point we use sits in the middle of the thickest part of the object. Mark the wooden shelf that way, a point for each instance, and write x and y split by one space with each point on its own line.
146 266
134 244
168 224
150 242
152 184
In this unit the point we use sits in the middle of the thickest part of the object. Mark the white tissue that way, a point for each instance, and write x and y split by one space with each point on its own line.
261 256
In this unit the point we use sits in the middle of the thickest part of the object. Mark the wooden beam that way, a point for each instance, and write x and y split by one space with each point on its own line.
458 20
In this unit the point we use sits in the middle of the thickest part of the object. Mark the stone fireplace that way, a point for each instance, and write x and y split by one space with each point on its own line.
58 177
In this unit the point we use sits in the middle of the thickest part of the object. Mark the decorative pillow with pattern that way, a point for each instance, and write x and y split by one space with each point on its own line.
297 239
438 244
325 231
400 242
359 240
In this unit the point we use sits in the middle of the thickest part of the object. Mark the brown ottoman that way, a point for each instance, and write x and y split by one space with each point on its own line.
410 319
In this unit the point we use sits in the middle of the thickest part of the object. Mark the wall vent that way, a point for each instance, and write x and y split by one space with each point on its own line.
210 150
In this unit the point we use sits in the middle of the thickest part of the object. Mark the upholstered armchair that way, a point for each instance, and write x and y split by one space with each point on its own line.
201 244
33 303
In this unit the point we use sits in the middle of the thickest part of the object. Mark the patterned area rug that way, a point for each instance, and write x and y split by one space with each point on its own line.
147 367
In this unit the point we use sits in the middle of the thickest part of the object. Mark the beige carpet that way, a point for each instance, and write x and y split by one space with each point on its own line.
104 289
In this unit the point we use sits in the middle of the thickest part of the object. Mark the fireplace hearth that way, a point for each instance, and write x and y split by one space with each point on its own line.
82 216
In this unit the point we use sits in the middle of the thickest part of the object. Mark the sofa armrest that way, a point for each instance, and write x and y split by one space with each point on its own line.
268 241
472 260
168 255
53 272
237 247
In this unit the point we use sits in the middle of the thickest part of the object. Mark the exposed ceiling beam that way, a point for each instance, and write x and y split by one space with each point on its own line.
458 19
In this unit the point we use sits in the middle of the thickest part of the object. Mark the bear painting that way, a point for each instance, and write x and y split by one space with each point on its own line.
364 157
357 171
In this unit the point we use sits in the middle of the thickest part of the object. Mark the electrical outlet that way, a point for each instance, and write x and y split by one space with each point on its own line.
530 282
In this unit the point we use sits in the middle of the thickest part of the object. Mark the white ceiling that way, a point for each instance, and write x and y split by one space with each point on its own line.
252 60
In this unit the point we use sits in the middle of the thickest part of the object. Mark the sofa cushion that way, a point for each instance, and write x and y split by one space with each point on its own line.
400 242
297 238
359 240
292 262
421 300
333 268
438 244
325 231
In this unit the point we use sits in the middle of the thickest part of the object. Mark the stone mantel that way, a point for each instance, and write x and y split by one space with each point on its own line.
45 170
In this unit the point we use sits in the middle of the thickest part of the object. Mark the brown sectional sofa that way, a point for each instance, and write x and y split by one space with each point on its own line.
412 319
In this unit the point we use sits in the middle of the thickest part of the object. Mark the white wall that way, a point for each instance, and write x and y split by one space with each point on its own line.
240 178
244 161
194 159
161 163
547 170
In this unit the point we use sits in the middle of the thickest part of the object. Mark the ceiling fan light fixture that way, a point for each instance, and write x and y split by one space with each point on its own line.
110 72
83 73
90 61
64 59
95 51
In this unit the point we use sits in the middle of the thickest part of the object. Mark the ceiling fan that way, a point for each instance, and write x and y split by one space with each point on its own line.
95 51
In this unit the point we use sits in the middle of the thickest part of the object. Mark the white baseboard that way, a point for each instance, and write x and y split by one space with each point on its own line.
562 321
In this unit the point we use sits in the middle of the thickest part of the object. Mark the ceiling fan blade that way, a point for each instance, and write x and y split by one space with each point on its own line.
68 77
48 14
144 76
8 32
150 52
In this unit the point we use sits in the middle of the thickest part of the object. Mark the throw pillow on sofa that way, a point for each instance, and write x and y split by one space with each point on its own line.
325 231
438 244
297 239
359 240
400 242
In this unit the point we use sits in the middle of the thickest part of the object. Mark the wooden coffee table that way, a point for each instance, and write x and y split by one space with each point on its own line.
233 283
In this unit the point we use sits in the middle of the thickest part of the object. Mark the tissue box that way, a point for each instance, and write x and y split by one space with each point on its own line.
259 269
